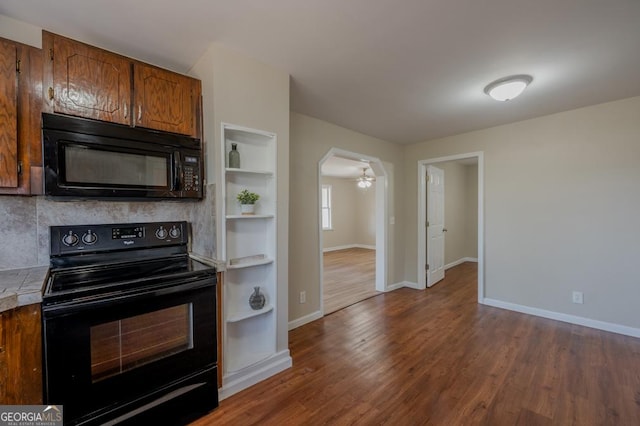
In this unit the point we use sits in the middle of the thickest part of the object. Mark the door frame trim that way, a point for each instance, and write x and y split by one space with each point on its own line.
382 213
422 215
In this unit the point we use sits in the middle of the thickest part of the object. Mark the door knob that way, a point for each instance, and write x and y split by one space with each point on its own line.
444 229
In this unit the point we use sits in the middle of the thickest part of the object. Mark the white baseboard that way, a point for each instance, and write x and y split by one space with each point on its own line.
254 374
459 261
317 315
336 248
348 246
409 284
304 320
572 319
395 286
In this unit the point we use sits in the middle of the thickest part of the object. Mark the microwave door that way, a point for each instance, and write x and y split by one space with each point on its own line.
90 167
91 159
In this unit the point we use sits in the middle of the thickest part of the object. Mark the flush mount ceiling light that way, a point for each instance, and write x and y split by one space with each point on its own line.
508 88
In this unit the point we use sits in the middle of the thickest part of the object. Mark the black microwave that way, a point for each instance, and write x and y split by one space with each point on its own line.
85 158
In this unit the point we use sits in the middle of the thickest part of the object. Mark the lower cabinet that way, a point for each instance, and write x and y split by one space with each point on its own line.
21 356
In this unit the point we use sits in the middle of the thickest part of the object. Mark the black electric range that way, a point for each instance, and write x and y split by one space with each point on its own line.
129 324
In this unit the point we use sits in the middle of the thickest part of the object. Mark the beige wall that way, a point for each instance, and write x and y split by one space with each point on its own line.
365 209
454 213
311 140
242 91
561 202
471 207
457 212
353 214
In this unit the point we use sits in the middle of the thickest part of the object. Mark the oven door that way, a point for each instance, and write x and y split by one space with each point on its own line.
108 357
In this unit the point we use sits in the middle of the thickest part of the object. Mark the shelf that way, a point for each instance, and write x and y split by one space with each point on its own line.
265 261
240 316
249 171
249 216
249 336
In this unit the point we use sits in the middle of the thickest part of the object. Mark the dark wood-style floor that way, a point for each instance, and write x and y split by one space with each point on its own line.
349 276
437 357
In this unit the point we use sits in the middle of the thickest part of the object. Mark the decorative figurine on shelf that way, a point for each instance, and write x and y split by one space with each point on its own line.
247 201
257 299
234 157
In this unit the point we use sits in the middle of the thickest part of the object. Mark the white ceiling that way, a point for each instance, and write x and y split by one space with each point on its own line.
403 71
344 168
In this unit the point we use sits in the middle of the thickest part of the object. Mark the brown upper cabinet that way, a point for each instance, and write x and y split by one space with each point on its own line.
89 82
20 108
165 100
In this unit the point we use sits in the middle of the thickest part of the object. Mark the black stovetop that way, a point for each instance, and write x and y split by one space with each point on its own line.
114 265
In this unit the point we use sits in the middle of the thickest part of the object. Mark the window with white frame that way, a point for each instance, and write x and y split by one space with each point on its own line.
326 207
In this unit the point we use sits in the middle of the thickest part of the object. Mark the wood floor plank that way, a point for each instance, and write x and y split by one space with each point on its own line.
349 276
436 357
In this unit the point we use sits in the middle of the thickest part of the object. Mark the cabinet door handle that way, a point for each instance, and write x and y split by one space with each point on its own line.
50 93
139 112
125 111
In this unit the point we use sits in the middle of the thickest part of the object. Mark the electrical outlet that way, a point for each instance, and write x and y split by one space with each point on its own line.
303 297
578 297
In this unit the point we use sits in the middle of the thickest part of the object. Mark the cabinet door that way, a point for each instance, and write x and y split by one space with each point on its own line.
90 82
21 357
164 100
8 115
20 111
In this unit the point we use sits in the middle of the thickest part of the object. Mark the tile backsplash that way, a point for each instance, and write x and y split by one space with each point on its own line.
26 220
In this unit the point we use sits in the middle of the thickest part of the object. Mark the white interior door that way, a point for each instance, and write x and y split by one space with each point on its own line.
435 225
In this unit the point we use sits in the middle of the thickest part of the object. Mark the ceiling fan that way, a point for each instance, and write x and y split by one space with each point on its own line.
365 181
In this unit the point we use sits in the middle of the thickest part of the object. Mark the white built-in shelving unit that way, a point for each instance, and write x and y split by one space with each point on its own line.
249 336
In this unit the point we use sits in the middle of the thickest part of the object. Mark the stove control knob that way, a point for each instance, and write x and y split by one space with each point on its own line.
70 239
174 232
161 233
89 238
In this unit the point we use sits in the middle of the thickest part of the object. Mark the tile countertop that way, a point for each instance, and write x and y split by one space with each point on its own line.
218 264
21 287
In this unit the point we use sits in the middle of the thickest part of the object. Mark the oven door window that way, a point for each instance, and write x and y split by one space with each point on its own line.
87 166
126 344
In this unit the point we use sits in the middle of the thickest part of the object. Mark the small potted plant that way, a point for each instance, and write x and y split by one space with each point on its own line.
247 201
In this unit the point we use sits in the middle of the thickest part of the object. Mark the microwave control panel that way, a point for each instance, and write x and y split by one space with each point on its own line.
191 170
